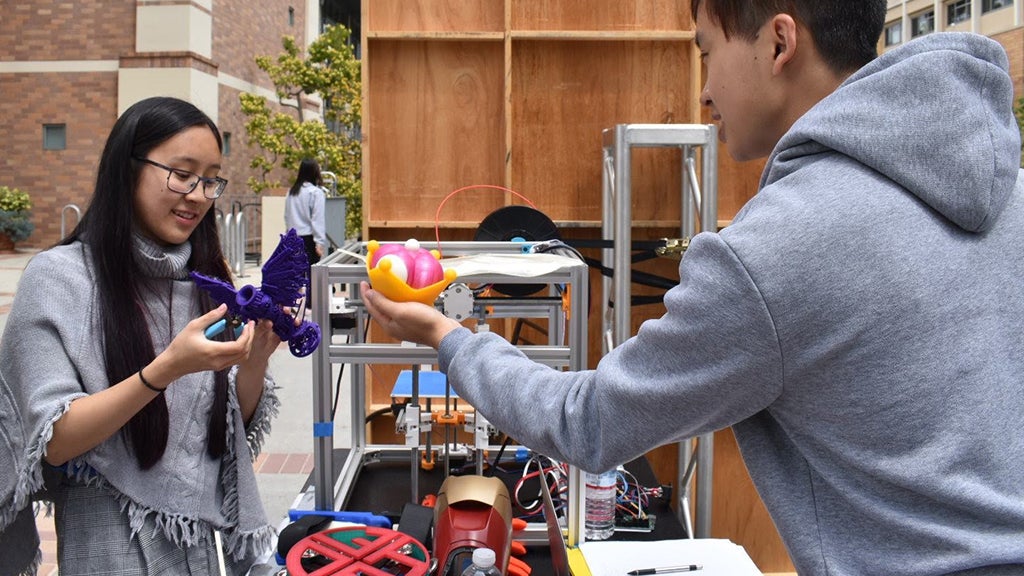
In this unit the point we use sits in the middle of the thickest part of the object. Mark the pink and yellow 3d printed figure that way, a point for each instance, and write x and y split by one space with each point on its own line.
406 272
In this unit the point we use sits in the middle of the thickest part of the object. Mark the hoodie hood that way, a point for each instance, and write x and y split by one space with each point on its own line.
934 116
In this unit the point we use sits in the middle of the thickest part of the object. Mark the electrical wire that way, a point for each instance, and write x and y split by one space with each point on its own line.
497 459
556 482
631 498
437 214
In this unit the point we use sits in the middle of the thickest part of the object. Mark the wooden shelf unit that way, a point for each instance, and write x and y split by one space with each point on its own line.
516 93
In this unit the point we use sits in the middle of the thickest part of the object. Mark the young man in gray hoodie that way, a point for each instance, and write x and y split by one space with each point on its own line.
860 324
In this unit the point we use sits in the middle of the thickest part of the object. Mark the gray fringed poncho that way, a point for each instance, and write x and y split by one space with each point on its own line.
51 353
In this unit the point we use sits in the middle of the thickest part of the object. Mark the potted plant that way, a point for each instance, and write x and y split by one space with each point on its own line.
15 217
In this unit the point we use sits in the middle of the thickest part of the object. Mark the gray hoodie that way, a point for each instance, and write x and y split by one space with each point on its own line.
860 325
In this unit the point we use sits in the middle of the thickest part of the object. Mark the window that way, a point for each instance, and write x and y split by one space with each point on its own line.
894 33
990 5
54 137
345 12
226 141
291 16
922 24
959 11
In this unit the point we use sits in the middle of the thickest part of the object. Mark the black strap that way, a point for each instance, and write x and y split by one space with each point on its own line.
416 522
304 526
637 276
609 244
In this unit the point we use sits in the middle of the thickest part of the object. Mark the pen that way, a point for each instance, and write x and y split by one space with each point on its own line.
665 570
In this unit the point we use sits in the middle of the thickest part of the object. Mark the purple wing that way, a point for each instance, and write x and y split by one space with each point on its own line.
284 273
219 290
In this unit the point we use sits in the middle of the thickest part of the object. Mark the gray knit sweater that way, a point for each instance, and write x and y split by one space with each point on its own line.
860 325
51 354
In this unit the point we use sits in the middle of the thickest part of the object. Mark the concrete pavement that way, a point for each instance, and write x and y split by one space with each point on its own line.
287 459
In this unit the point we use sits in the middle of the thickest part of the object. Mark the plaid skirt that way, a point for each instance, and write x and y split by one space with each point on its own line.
94 537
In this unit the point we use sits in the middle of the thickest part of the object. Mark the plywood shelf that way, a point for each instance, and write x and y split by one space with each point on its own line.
605 15
583 224
605 35
439 35
582 35
447 225
421 16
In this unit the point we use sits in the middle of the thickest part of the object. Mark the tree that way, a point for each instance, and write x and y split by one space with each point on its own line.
331 71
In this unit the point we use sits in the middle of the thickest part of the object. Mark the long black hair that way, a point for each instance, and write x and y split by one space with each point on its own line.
309 171
106 230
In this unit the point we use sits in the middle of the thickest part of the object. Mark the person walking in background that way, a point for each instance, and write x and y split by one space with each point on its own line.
304 210
144 429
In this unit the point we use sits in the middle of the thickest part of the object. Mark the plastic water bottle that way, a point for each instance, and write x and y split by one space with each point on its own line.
600 505
483 564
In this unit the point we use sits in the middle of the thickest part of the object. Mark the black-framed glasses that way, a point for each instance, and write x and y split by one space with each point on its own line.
183 182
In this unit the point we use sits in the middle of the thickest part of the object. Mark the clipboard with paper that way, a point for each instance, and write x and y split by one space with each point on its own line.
717 557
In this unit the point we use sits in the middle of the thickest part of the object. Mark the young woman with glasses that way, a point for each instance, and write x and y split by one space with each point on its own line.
144 429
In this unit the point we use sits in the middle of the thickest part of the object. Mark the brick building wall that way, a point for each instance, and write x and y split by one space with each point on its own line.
60 63
235 48
45 32
1013 43
265 21
62 30
86 102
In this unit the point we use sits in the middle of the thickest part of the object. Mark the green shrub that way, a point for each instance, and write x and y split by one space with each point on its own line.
15 214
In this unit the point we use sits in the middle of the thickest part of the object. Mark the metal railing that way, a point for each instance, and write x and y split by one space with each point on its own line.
63 213
233 229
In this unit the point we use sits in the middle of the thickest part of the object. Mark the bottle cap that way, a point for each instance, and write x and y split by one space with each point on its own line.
483 557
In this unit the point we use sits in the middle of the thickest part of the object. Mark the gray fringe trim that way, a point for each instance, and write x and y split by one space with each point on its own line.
252 543
259 426
239 544
229 465
186 531
180 530
31 478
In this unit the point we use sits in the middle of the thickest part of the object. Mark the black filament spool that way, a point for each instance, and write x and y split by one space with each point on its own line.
517 222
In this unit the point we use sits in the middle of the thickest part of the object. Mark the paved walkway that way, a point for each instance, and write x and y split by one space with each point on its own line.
287 460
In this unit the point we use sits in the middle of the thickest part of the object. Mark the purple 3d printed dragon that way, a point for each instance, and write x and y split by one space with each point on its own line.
284 275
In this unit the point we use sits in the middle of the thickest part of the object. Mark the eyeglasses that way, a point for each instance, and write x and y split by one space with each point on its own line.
184 182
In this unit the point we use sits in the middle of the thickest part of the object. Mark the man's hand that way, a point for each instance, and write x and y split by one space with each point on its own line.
410 321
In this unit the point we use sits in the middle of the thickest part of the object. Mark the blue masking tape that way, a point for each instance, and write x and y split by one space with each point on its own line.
323 429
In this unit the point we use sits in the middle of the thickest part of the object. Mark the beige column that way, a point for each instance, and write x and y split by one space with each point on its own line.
173 56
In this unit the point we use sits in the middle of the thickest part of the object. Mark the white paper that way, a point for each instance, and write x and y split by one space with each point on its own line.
717 557
521 265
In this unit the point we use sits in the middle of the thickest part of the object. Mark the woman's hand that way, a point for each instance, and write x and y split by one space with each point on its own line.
249 380
191 351
410 321
264 342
